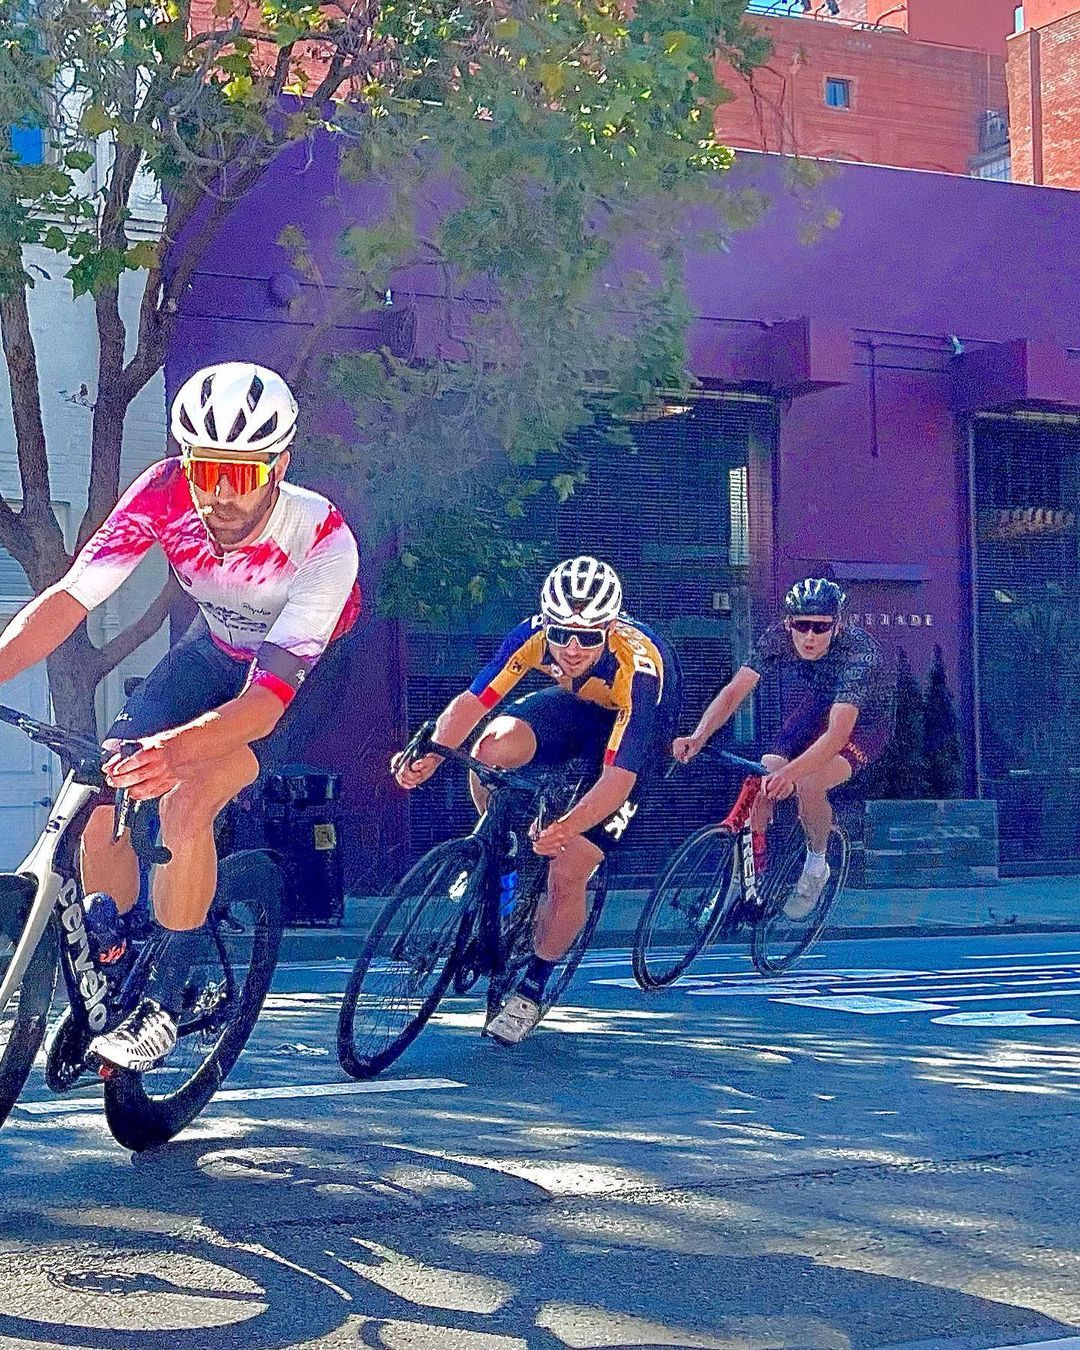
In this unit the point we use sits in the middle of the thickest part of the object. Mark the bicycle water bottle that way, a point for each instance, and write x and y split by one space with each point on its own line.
508 884
106 929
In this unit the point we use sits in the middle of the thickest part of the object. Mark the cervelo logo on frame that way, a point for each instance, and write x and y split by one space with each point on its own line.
91 983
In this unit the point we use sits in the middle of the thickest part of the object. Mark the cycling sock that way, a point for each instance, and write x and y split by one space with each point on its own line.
175 954
537 974
815 862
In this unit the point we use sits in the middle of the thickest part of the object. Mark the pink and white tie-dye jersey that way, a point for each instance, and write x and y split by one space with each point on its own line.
276 602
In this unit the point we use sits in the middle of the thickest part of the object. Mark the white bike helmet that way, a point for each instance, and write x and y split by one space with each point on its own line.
581 593
235 406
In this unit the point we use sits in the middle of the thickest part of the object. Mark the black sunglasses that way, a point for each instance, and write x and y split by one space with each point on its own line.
587 637
818 626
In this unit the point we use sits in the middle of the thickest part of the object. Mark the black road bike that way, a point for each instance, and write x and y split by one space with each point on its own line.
713 888
43 925
464 912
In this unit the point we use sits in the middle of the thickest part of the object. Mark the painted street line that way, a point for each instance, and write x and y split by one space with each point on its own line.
1019 956
1019 1017
1070 1343
286 1092
855 1004
887 991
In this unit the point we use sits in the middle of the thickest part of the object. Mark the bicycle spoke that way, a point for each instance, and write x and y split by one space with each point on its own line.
686 907
782 933
407 962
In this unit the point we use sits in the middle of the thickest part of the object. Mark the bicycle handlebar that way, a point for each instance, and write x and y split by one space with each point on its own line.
490 775
727 757
59 739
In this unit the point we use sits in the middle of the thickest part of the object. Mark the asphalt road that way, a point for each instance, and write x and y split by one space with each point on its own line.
879 1151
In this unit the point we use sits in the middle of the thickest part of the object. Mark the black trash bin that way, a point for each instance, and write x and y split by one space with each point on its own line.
302 825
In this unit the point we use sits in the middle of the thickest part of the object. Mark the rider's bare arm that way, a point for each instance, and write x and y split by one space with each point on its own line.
457 721
37 630
602 800
842 719
726 703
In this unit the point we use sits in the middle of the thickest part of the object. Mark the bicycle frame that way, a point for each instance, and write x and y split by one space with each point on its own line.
737 821
52 889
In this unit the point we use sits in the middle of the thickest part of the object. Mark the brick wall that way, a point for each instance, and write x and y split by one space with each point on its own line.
1044 92
913 105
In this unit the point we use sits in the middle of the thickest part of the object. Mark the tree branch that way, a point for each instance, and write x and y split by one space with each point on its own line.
22 363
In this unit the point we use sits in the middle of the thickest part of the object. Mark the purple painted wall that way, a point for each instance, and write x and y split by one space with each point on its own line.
853 333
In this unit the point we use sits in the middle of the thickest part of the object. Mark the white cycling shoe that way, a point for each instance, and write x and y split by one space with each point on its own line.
516 1019
142 1039
807 893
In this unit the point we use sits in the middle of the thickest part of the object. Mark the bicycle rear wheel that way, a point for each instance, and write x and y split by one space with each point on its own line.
22 1022
409 958
225 994
690 902
520 946
778 940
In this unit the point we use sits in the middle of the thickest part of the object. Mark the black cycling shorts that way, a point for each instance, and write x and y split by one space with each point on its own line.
192 678
570 731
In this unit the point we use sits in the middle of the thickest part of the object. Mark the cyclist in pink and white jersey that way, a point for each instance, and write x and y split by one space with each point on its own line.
273 570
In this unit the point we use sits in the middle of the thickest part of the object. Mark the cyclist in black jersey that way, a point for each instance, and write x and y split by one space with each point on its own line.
841 725
613 708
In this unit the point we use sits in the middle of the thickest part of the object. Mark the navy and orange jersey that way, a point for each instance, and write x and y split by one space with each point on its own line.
637 677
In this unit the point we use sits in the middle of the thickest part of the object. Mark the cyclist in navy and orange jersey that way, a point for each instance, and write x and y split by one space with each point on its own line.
614 705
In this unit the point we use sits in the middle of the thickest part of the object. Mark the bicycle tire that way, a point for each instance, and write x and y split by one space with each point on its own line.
450 876
28 1012
777 941
709 851
520 950
140 1118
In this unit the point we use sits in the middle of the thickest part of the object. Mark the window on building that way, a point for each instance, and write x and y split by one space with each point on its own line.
28 143
999 169
837 92
1018 18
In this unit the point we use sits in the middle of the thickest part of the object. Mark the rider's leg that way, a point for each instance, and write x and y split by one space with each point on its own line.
182 892
816 815
815 809
107 865
184 887
560 916
761 813
506 743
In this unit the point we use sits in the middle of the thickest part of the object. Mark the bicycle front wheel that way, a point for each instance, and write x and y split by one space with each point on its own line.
22 1022
409 958
690 902
782 933
224 996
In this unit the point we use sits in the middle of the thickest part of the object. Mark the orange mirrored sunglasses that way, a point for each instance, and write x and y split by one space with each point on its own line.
242 475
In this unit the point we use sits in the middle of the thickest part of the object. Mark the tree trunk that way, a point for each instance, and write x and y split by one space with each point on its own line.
73 675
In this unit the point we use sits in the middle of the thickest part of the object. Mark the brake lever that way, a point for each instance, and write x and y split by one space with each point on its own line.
123 805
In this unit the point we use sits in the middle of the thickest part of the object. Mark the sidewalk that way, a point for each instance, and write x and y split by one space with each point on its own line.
1020 904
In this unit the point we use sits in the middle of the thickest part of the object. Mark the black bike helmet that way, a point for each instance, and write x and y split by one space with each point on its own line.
815 595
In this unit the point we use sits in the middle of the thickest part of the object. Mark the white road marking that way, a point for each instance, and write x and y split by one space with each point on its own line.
1019 956
1018 1017
283 1093
856 1004
1070 1343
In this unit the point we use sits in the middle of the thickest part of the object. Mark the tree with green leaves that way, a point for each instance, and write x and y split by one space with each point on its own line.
544 160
